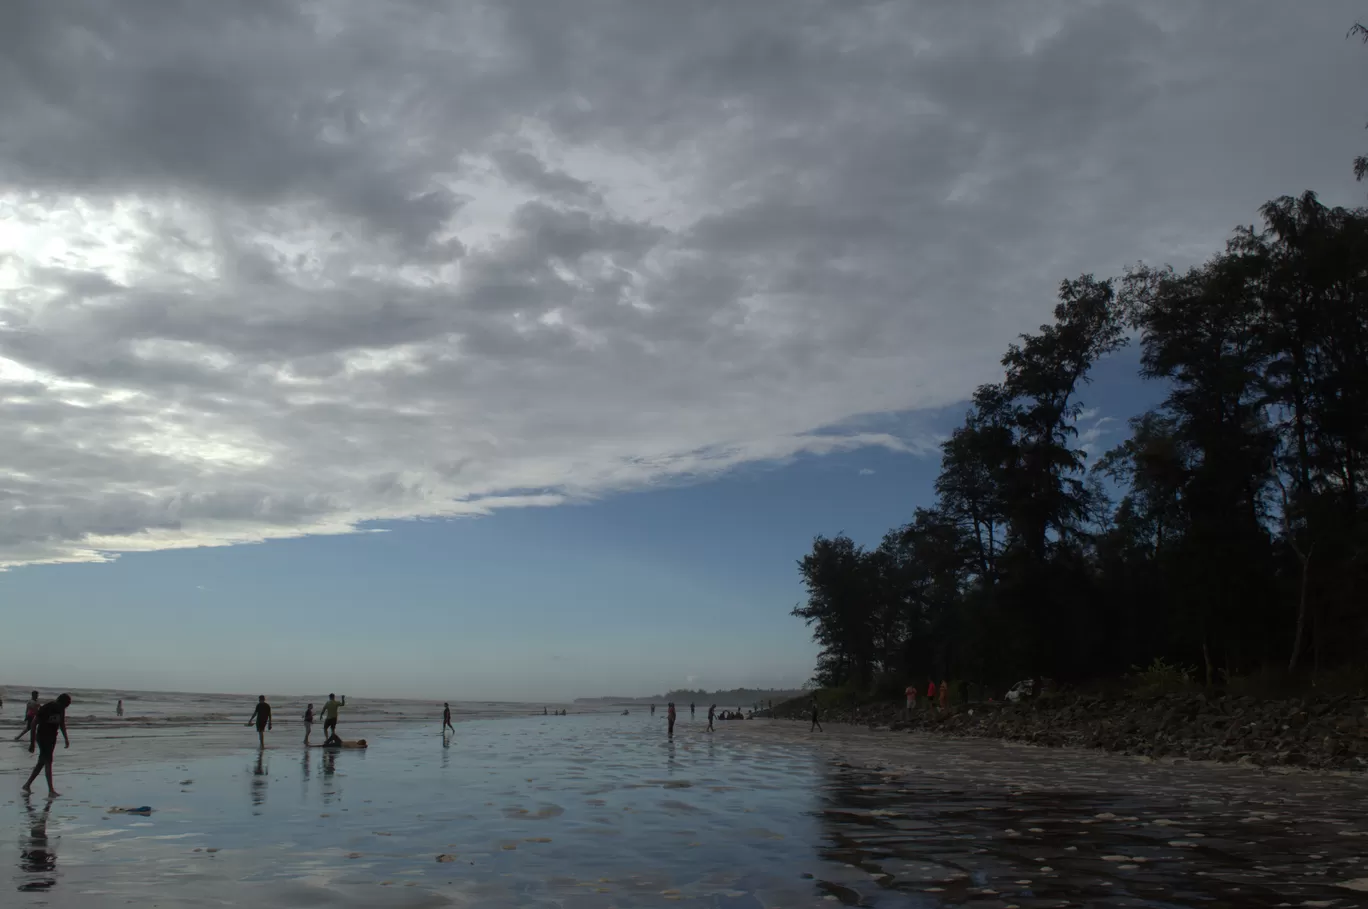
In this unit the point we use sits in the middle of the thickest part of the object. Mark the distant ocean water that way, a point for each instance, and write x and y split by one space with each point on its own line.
92 706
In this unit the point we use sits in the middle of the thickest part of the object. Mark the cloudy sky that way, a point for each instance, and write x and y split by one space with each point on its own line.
652 291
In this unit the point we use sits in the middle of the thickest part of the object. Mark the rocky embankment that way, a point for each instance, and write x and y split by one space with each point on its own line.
1328 733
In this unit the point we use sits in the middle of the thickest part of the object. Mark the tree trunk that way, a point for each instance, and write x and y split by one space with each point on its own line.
1305 561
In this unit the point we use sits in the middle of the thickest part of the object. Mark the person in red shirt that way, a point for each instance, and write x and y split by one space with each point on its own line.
930 694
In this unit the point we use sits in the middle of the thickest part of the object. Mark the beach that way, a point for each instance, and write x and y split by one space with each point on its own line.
605 811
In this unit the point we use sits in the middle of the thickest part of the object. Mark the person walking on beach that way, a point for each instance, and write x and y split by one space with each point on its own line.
446 718
30 711
670 718
653 710
262 717
815 723
691 710
308 723
118 711
712 711
330 714
47 722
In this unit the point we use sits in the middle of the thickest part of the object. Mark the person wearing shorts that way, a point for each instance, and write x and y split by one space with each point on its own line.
47 722
30 711
262 717
330 714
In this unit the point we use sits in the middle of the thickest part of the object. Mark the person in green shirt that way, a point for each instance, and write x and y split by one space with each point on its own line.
330 714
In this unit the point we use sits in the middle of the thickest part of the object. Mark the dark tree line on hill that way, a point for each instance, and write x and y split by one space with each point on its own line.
1227 533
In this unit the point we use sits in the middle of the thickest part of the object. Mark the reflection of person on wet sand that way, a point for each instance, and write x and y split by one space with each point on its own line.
262 717
259 779
37 856
46 722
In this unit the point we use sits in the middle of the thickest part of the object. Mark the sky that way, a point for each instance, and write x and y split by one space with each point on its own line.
518 350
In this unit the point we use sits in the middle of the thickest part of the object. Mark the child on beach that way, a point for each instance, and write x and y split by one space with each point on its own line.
262 717
49 719
308 723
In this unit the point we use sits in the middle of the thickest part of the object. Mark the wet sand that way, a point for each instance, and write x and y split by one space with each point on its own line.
603 811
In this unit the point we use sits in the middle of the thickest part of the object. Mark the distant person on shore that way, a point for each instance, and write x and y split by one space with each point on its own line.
816 724
691 710
670 718
47 722
308 723
543 711
712 712
446 718
330 714
118 711
30 711
262 717
653 710
944 696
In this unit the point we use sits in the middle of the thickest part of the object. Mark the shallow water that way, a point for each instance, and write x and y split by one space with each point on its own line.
603 811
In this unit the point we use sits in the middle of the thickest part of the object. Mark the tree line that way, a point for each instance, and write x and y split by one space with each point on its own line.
1226 533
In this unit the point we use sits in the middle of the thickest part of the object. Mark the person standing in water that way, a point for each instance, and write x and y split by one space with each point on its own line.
330 714
308 723
118 711
712 711
30 711
262 717
47 722
670 718
446 718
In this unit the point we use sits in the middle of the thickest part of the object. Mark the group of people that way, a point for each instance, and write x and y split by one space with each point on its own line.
261 716
42 722
935 696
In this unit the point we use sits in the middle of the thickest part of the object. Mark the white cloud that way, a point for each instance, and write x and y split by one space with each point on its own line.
273 272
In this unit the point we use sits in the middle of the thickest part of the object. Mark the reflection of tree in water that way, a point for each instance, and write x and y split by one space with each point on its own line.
259 776
953 840
37 856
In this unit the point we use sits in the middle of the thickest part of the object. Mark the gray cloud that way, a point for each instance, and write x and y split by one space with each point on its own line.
283 268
